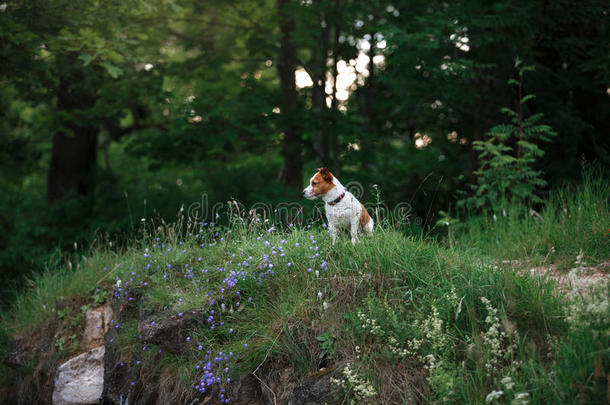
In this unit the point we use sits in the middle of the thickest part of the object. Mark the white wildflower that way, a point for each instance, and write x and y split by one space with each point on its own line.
497 337
580 259
508 383
361 389
589 307
493 395
369 324
522 398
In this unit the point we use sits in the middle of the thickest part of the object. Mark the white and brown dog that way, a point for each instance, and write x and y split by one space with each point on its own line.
342 208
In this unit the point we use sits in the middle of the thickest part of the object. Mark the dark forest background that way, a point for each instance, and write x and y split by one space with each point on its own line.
115 111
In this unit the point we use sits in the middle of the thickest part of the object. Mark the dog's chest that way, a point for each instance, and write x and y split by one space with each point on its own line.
344 212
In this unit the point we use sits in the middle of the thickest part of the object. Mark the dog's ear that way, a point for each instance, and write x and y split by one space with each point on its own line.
326 175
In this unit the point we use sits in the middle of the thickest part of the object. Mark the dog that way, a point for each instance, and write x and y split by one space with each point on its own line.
342 208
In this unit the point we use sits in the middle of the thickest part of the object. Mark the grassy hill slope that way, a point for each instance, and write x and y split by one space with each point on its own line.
409 319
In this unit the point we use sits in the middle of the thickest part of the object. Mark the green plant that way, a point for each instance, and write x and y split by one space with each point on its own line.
59 343
99 296
506 174
327 345
446 220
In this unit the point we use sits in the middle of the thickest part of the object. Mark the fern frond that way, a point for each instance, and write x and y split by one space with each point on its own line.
526 98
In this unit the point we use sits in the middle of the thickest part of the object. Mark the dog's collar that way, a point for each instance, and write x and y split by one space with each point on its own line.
336 201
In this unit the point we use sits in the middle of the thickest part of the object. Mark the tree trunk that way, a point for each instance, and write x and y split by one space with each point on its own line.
286 66
335 139
74 150
319 86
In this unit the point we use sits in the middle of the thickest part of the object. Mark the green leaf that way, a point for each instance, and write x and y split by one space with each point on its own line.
526 98
112 70
508 111
86 58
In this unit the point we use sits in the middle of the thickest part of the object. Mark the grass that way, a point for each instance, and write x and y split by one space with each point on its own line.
572 221
415 320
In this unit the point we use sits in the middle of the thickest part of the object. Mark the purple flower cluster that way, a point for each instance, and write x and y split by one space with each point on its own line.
223 287
214 369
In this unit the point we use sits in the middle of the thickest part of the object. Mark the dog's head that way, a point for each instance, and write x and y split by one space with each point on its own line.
319 184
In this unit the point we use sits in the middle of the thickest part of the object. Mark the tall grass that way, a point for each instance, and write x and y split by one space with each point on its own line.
573 220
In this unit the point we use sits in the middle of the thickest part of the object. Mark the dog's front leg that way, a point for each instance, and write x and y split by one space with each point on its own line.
354 230
333 232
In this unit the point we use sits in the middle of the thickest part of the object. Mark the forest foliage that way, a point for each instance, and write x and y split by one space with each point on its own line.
116 111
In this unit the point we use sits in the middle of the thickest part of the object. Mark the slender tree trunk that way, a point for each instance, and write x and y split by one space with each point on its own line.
74 150
318 89
476 136
335 138
286 66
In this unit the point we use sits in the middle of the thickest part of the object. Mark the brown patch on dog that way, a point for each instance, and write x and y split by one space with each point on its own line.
326 174
364 217
322 182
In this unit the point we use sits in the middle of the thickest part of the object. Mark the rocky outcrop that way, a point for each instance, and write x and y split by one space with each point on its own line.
106 373
80 380
97 322
118 376
170 333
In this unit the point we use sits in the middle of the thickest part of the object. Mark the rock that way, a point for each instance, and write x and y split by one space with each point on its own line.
603 266
117 374
276 382
97 321
80 380
26 350
246 391
317 388
19 354
125 303
170 333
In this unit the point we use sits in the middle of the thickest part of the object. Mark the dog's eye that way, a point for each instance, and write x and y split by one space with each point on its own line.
313 183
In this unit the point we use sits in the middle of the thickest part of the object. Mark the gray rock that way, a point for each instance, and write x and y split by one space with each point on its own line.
19 354
80 380
118 375
317 389
170 333
246 391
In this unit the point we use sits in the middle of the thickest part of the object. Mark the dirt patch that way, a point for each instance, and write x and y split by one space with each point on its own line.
580 278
